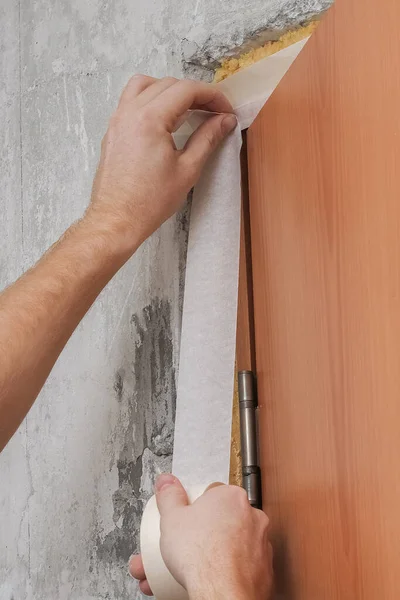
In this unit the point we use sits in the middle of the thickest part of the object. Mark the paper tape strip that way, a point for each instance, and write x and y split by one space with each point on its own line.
208 339
207 354
249 89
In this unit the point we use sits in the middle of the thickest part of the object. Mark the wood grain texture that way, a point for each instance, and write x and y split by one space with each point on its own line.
324 177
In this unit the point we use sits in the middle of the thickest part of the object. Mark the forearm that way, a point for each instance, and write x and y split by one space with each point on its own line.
41 310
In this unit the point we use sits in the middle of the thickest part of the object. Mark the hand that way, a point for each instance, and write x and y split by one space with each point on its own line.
217 547
142 179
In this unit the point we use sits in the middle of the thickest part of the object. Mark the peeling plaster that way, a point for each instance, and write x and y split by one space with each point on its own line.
145 391
232 35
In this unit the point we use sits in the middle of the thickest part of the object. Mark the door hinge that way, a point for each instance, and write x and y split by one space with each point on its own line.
251 473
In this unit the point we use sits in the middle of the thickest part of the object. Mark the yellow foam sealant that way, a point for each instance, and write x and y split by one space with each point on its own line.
229 66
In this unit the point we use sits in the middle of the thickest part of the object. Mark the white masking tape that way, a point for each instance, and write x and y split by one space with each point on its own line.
163 585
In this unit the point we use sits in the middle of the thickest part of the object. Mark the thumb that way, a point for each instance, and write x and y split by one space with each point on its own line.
170 494
206 139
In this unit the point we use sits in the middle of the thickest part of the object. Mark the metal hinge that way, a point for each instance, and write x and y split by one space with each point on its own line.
251 474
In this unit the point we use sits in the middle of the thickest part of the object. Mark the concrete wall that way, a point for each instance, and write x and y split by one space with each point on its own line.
74 478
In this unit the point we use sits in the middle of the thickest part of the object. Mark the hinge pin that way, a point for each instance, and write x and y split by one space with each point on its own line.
251 475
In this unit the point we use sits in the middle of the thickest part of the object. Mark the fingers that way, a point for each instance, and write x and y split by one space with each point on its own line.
170 494
136 568
145 588
185 95
170 98
204 141
135 86
155 89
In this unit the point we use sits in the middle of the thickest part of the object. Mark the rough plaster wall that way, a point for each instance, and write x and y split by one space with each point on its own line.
74 479
232 28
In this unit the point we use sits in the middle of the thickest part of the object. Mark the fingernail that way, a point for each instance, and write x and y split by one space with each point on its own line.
229 123
164 481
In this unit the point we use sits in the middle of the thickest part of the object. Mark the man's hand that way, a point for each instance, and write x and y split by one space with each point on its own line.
216 548
142 179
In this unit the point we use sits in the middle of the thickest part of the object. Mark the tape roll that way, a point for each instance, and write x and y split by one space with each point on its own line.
162 583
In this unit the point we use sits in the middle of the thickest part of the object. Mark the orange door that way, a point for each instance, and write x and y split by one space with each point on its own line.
324 184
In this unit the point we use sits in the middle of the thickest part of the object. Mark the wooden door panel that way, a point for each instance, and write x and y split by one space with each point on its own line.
324 181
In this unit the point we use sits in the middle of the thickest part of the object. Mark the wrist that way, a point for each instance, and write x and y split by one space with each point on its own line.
93 251
220 588
112 234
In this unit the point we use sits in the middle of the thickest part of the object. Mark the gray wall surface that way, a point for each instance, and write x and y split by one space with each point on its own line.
74 479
